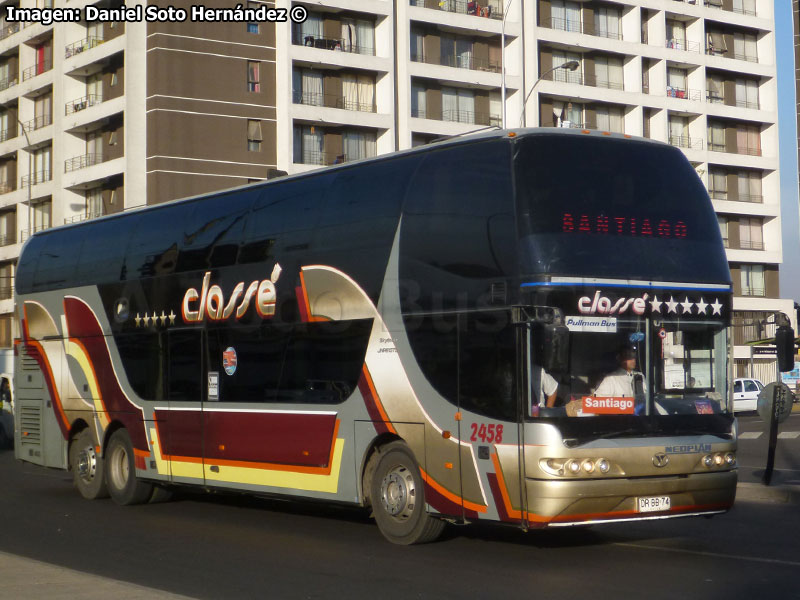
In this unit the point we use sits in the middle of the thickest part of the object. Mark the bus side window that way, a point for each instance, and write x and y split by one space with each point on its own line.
254 359
184 366
324 361
142 359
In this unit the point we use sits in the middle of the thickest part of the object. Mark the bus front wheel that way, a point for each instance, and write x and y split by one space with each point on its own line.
86 465
124 487
397 494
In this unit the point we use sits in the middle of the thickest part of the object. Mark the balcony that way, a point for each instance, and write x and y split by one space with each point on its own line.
477 9
36 178
465 61
751 245
714 97
577 26
336 44
754 198
6 290
748 57
81 46
458 116
7 186
38 122
8 239
714 147
7 134
82 217
753 291
82 103
685 94
331 101
81 162
311 157
26 233
719 4
565 76
749 151
8 29
748 104
37 69
683 45
684 141
7 83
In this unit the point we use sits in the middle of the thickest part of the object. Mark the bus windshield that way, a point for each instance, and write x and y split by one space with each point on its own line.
646 367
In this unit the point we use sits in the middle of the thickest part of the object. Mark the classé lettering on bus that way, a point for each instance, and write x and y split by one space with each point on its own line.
210 300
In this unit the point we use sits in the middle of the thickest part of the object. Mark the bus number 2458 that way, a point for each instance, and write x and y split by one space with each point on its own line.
487 433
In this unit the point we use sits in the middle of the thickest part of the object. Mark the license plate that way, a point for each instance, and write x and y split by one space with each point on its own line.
653 503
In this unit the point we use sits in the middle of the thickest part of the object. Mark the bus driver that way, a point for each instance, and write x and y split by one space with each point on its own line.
624 382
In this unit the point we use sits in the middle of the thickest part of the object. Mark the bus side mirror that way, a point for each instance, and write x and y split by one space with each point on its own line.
551 349
784 346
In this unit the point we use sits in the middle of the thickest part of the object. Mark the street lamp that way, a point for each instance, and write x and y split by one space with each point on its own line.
570 65
30 174
503 63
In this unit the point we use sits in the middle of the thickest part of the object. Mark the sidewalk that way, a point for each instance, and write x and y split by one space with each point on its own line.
784 488
34 580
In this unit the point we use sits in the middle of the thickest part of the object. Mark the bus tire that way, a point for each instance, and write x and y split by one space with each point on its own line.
87 466
124 487
397 495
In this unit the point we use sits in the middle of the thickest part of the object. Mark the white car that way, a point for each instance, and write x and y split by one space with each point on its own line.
745 394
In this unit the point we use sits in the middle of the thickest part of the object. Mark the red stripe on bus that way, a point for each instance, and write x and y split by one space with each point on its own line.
305 440
83 324
373 403
502 513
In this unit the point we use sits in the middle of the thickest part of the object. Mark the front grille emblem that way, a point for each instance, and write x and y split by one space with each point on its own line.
660 460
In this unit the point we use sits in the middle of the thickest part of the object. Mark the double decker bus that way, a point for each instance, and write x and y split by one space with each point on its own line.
378 334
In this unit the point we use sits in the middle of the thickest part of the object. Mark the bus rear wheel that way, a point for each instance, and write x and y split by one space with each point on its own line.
397 494
124 487
87 466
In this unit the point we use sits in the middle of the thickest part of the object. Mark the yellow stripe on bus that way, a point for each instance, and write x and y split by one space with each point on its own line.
78 352
312 482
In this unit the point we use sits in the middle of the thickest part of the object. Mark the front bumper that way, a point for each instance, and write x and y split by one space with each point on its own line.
572 502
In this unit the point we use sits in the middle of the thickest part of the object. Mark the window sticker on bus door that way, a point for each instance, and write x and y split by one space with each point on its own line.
612 405
229 360
592 324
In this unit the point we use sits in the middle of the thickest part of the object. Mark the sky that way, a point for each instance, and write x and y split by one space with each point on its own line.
787 127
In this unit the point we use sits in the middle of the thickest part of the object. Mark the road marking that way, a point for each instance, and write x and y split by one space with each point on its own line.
750 435
788 435
773 561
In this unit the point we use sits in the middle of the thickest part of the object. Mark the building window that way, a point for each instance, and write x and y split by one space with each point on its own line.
748 140
676 34
679 131
752 278
8 227
458 105
359 144
254 135
252 27
114 79
253 77
715 86
307 87
718 184
112 138
745 47
715 43
565 15
723 228
42 212
608 72
94 203
565 75
747 93
751 235
457 52
611 118
419 97
750 186
606 23
716 137
308 145
358 92
567 114
676 82
6 281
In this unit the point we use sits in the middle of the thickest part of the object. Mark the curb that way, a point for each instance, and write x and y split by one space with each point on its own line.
776 494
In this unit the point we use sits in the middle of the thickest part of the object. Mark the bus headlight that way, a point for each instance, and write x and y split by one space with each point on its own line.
719 460
708 461
574 467
730 459
588 466
603 465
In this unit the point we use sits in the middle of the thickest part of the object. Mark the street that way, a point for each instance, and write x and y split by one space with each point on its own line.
211 546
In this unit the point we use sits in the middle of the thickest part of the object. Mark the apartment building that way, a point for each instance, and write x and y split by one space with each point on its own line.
141 113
